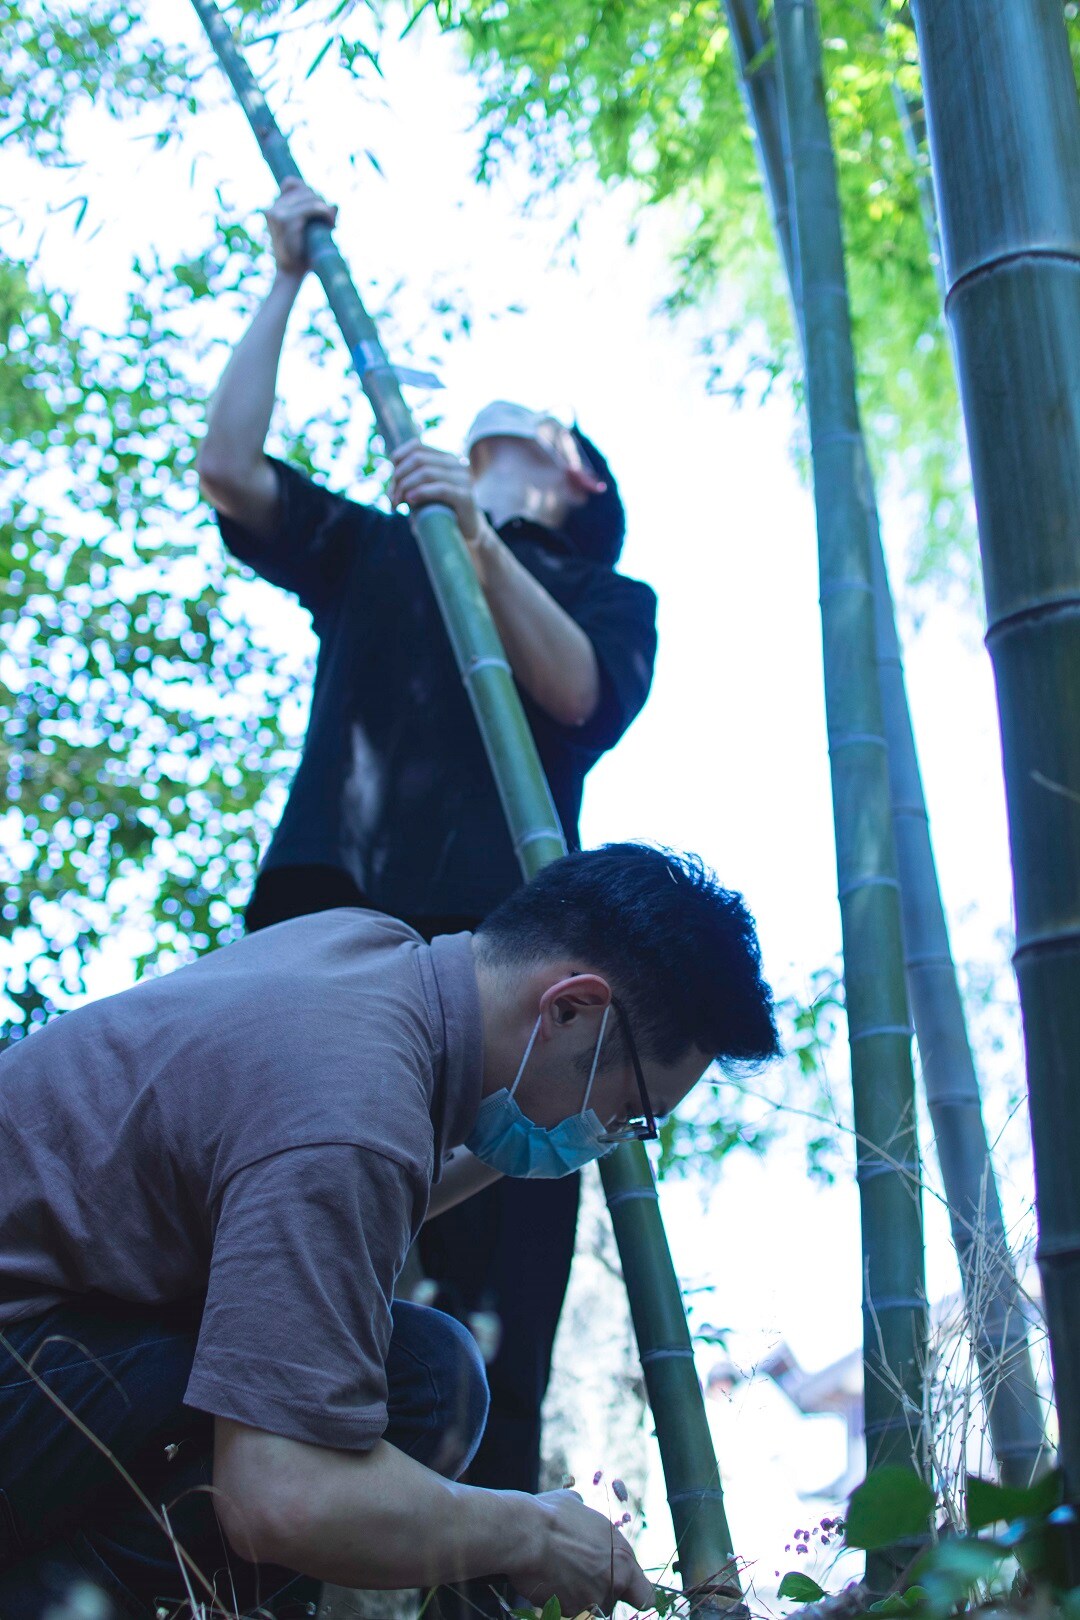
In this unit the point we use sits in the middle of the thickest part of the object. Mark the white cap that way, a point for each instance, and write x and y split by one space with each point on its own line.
504 420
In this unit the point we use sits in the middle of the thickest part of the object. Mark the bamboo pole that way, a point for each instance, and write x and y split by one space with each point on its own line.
703 1539
911 116
995 1305
883 1084
1004 126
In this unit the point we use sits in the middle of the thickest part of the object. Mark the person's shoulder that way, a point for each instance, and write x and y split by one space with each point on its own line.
630 583
375 929
630 595
299 483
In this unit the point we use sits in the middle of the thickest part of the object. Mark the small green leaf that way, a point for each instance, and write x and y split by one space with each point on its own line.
552 1610
988 1503
890 1503
800 1587
961 1561
899 1604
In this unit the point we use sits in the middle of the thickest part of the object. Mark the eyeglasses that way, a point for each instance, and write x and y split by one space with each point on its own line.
639 1127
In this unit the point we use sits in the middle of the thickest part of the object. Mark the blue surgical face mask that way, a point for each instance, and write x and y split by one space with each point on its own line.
508 1140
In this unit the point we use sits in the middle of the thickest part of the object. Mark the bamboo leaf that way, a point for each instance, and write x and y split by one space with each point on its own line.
319 56
425 5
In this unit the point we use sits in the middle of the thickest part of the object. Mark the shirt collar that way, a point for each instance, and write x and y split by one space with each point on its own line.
449 959
523 528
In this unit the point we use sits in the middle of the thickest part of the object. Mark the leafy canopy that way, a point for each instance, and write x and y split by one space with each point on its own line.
149 722
141 712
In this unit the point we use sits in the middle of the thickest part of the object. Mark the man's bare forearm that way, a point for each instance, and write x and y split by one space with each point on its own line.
371 1519
380 1519
231 461
550 654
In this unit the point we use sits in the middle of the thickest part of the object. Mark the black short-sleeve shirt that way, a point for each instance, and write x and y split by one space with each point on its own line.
393 785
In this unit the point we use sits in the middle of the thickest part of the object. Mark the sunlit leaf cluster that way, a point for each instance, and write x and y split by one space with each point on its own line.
56 58
150 723
1008 1558
140 710
753 1110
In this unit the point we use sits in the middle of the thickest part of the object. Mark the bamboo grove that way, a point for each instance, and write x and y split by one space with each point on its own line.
1001 115
693 1484
893 920
1004 125
995 1307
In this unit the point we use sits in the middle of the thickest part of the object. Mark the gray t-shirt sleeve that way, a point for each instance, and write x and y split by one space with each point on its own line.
296 1326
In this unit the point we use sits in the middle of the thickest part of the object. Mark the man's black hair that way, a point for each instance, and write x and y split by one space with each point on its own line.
681 952
598 528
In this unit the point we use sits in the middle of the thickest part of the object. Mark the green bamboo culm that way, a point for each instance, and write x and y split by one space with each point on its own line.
995 1305
996 1313
883 1086
523 790
703 1540
1004 128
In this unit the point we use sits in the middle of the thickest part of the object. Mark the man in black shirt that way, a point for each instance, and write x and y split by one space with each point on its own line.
393 805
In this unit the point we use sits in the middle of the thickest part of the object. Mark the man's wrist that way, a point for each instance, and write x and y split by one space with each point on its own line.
489 553
518 1524
287 281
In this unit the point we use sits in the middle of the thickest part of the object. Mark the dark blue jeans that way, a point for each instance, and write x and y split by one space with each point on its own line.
67 1514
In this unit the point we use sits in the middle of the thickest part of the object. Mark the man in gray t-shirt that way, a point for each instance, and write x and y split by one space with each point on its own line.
210 1184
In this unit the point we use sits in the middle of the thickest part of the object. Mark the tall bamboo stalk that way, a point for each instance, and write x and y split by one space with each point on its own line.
1004 126
883 1084
703 1539
911 116
995 1306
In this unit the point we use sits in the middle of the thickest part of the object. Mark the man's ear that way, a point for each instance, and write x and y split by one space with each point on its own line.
584 482
564 1001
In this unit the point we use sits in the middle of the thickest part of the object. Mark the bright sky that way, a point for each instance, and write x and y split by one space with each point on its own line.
728 758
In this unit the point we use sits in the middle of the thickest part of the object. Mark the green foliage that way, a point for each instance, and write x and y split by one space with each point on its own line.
141 713
954 1570
150 728
899 1604
56 56
894 1504
752 1112
890 1505
150 724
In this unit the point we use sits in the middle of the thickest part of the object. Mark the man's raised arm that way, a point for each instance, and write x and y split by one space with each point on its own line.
234 474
